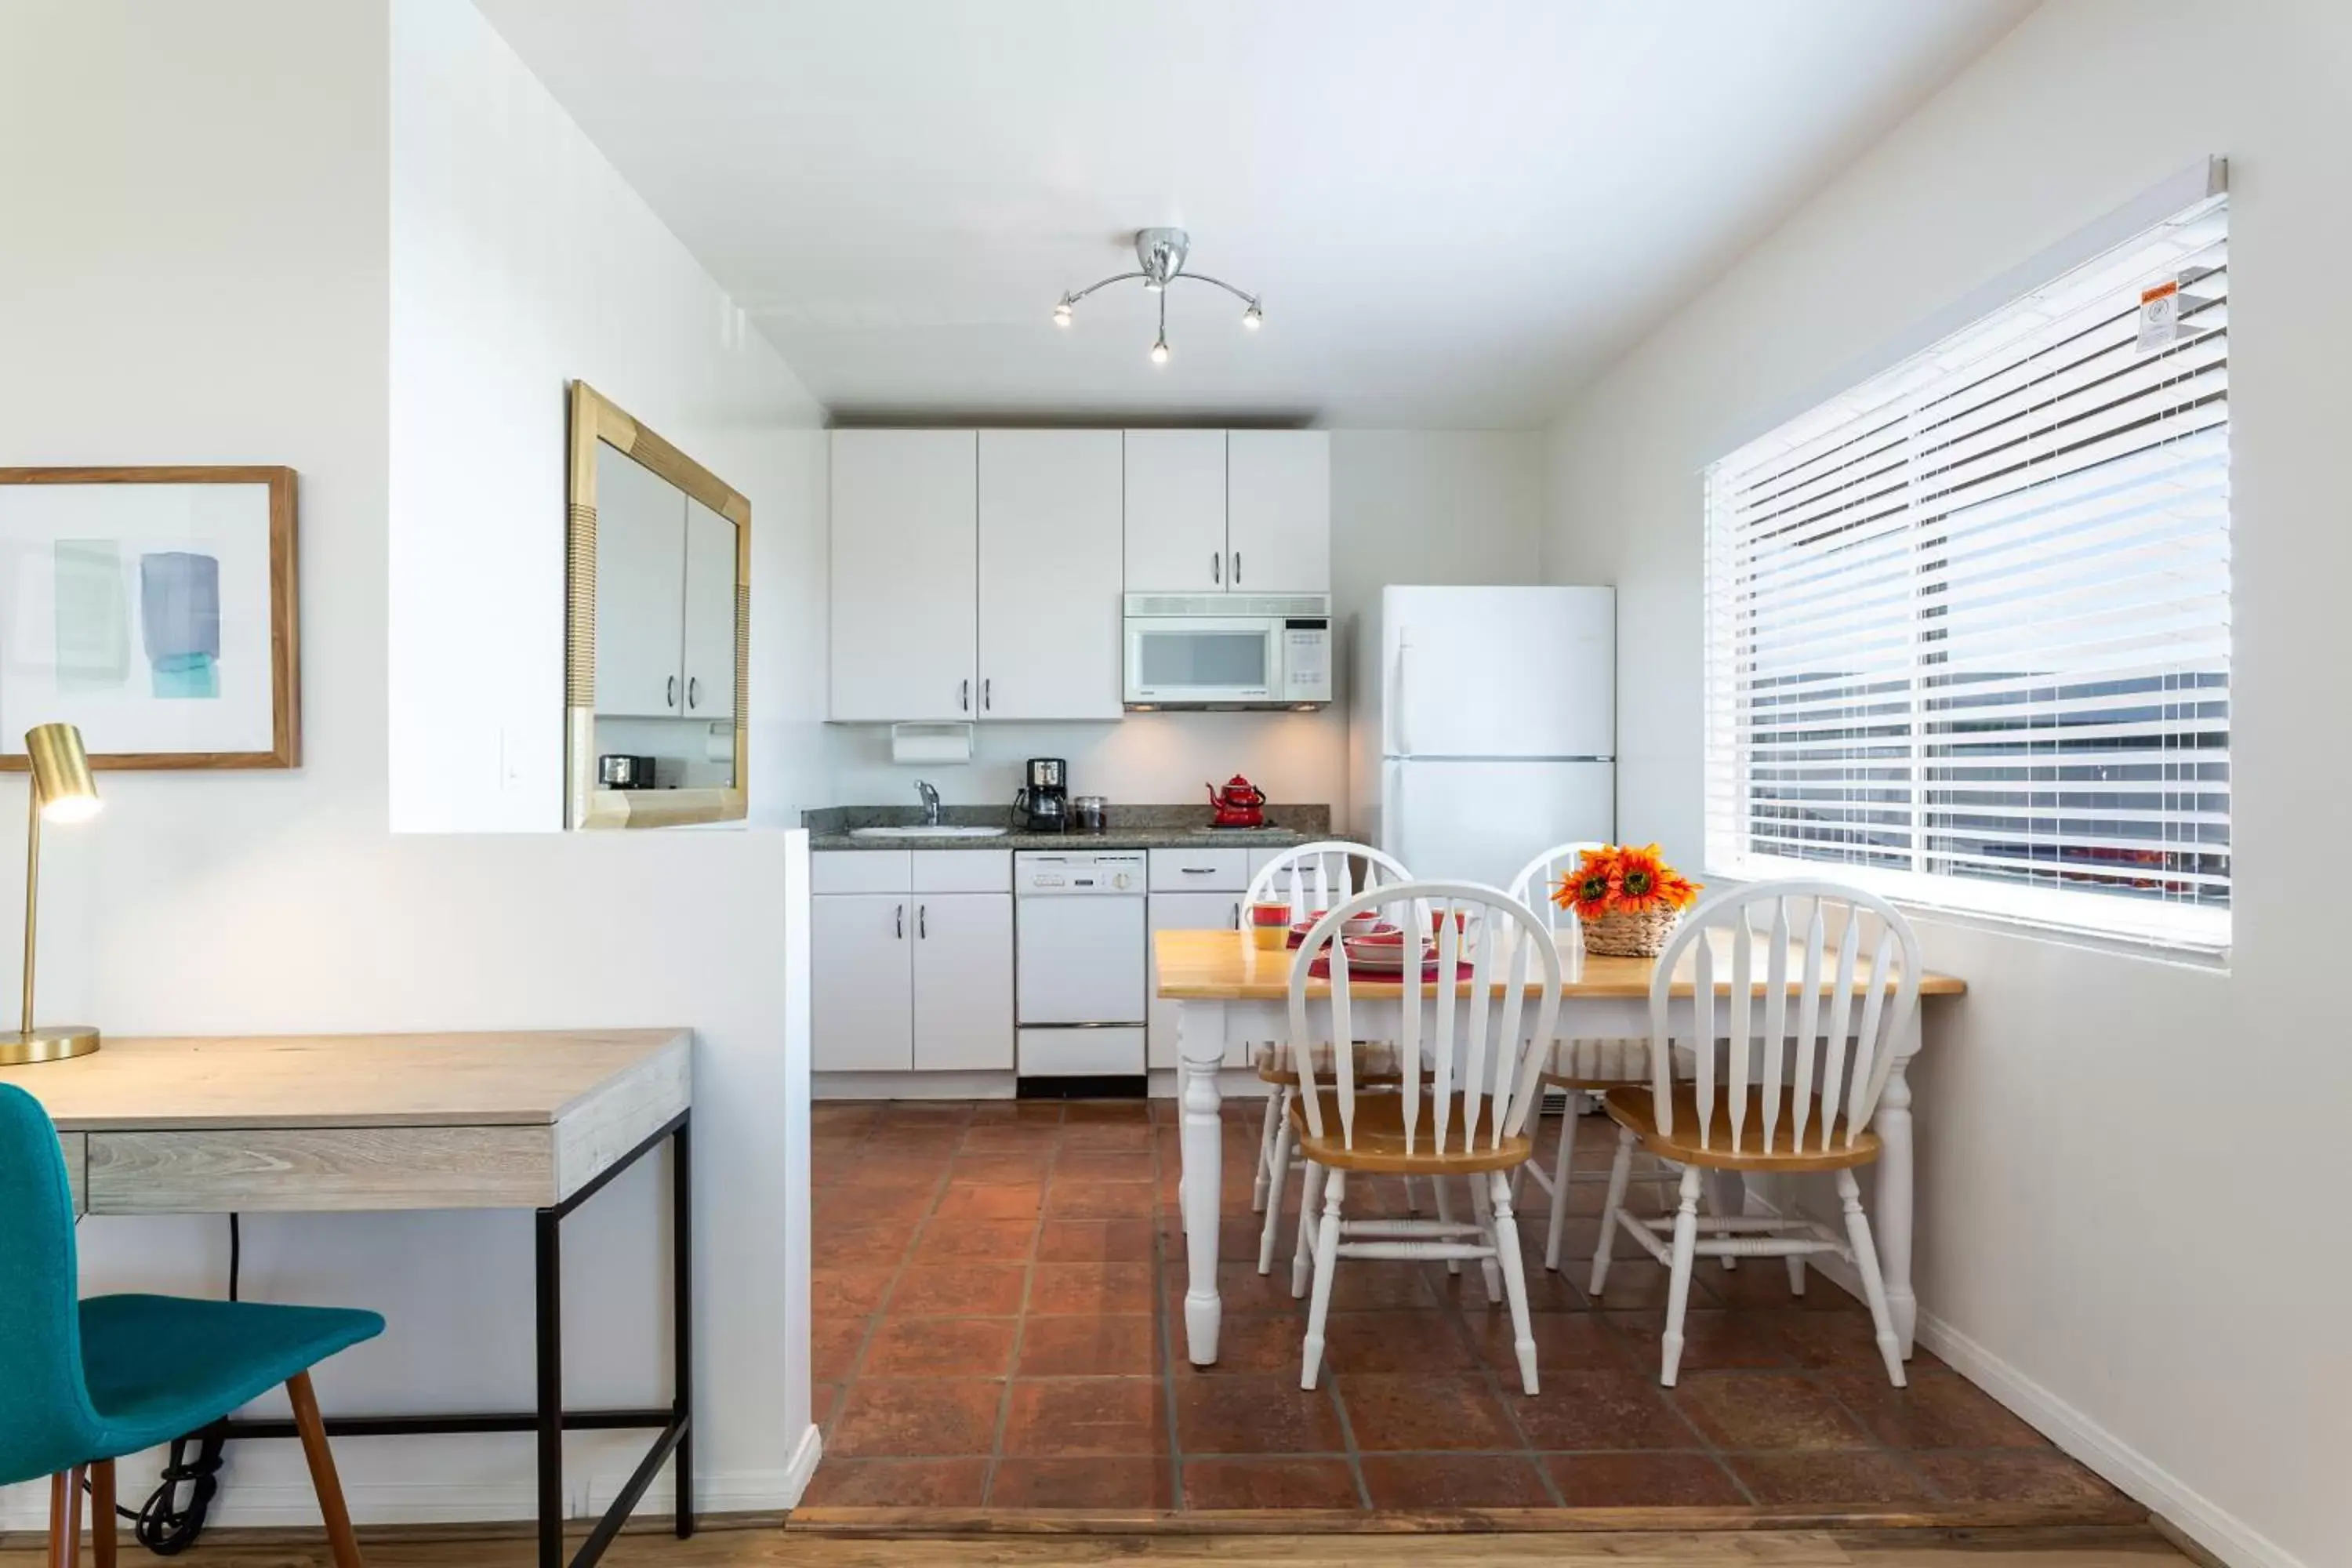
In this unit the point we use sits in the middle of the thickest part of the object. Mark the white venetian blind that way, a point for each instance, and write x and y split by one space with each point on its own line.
1968 623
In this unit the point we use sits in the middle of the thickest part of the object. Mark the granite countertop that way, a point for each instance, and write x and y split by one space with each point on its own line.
1130 827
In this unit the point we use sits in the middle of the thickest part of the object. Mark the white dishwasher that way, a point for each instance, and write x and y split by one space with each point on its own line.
1079 963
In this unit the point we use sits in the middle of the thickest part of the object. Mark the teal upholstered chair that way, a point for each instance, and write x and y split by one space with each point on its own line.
87 1381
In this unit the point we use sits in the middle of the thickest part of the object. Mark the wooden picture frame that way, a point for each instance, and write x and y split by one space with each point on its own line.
595 419
284 656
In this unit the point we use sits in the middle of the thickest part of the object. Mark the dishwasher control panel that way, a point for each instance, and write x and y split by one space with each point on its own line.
1052 873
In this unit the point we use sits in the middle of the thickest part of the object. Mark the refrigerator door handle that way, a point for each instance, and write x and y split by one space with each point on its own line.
1403 703
1395 818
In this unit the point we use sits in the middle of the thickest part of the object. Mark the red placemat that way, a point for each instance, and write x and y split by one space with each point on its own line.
1321 969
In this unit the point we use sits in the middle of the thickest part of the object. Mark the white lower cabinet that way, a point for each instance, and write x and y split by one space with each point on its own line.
906 978
862 1000
964 981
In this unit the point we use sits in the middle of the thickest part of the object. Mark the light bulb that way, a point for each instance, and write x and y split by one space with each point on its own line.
1160 351
1253 318
1062 314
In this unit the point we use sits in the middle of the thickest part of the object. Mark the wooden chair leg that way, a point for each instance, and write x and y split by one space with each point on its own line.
1678 1286
1277 1158
323 1480
1302 1256
1515 1283
65 1518
1562 1175
1327 1266
101 1515
1621 1170
1272 1128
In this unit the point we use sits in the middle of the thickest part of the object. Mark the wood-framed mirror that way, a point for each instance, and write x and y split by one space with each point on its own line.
657 631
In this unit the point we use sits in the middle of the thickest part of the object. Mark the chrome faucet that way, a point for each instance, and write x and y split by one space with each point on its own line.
930 803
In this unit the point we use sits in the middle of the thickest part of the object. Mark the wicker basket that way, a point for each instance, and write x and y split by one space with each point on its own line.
1618 934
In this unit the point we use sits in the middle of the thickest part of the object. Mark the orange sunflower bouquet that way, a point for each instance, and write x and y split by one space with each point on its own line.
1628 899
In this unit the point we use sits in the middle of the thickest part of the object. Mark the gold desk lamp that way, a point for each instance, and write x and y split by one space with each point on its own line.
62 791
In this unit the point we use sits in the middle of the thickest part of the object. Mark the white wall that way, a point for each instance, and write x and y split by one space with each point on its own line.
2125 1163
521 259
209 283
1407 506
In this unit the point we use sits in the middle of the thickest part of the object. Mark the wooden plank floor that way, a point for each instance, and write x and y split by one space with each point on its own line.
2080 1547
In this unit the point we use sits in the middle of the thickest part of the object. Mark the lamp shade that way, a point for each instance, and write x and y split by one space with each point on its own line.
61 772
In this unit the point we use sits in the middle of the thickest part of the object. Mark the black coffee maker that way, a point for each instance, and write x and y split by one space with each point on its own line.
1044 804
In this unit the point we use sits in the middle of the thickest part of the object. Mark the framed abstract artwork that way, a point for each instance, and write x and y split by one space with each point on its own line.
155 609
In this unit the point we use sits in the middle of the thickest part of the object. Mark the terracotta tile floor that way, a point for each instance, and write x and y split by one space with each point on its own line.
996 1287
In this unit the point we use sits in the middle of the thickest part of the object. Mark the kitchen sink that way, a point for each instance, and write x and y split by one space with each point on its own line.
919 831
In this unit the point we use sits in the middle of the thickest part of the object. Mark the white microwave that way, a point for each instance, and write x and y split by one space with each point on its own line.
1228 650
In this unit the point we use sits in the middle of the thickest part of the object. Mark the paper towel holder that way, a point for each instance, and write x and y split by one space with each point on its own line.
931 743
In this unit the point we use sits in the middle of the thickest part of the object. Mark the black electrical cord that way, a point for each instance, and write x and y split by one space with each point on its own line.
162 1524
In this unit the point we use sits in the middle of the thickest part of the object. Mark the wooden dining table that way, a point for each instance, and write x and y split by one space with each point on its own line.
1230 992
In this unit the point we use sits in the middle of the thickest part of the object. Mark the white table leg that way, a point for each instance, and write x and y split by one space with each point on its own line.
1200 1052
1892 1125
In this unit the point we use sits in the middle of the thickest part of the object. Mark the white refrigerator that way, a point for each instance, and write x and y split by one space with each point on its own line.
1484 726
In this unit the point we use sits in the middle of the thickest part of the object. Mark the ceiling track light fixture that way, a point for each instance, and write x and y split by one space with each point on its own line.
1162 252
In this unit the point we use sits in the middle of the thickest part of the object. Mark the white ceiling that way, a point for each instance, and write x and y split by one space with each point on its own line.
1455 212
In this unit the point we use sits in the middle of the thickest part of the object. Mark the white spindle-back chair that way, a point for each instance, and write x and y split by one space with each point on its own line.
1483 1043
1814 1003
1580 1068
1310 878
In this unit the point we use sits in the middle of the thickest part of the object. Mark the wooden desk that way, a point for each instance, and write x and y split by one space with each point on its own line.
344 1122
1231 991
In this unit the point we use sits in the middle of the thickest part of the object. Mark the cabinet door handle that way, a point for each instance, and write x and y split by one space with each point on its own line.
1197 870
1237 568
1217 567
923 921
694 692
987 694
669 692
1237 917
965 701
902 922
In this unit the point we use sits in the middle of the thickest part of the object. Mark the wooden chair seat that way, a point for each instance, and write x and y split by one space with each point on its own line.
1634 1109
1379 1143
1373 1063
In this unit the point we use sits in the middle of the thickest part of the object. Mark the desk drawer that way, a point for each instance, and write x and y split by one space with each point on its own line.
75 1146
316 1169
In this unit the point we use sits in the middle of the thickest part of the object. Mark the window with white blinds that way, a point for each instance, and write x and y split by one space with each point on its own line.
1968 623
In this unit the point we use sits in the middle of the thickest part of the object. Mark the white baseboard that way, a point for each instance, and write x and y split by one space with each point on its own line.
1236 1083
2077 1435
803 1465
911 1086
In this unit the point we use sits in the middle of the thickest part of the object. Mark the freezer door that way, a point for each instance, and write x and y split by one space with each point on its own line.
1500 673
1480 822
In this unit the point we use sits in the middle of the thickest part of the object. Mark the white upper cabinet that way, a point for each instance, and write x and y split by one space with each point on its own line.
640 603
1175 511
709 614
905 600
1050 574
977 574
1278 511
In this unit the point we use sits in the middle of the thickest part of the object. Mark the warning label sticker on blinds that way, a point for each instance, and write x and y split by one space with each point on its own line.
2159 315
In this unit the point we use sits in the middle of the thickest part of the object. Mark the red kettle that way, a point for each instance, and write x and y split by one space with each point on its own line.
1239 804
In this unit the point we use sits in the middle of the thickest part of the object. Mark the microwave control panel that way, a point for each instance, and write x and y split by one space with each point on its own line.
1307 659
